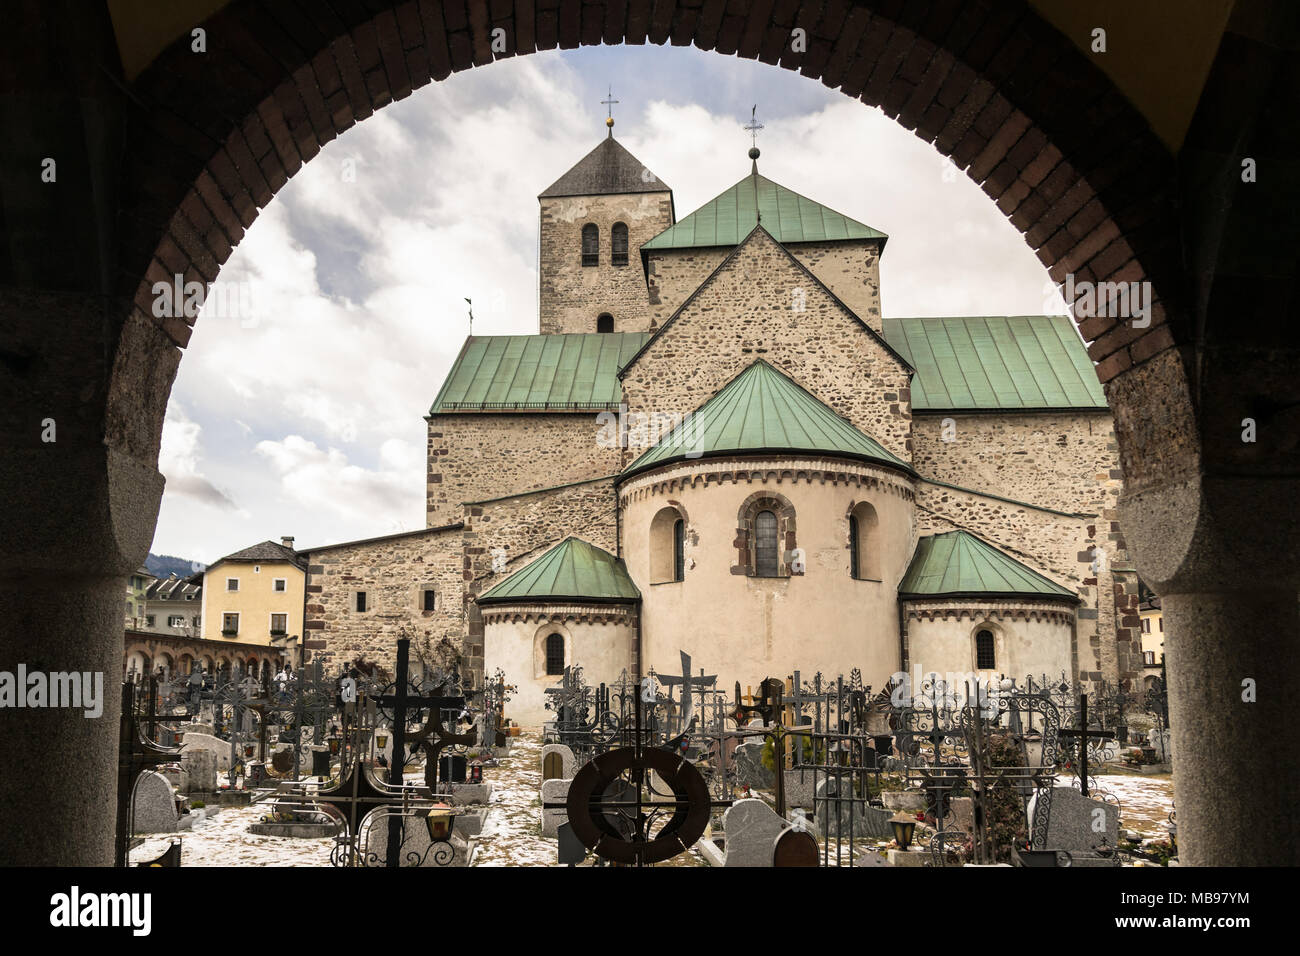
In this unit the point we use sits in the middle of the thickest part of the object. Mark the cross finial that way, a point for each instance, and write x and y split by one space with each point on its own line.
471 315
609 102
753 128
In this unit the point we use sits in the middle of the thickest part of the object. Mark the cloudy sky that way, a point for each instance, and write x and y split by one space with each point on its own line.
299 405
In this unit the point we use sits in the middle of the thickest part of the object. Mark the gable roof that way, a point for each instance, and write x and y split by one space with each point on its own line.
995 362
575 371
263 551
608 169
760 229
762 409
730 216
573 570
958 564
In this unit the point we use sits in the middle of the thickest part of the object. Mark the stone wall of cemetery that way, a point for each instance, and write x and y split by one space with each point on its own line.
500 537
393 570
573 295
480 456
745 627
746 312
601 639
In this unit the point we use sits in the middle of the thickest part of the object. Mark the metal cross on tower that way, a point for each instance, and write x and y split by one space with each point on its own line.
609 102
753 126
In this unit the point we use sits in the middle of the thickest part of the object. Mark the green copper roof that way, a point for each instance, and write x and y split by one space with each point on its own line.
1016 362
573 570
763 410
958 563
788 216
571 372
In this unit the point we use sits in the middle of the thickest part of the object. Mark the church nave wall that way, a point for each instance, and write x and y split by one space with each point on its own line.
489 455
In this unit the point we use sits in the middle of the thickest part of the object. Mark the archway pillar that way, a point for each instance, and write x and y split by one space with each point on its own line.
79 518
1220 550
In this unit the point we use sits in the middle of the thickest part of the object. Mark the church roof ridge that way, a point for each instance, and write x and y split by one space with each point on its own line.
607 170
730 257
960 564
788 215
573 570
762 409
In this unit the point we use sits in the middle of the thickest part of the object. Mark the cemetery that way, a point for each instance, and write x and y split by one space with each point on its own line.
302 769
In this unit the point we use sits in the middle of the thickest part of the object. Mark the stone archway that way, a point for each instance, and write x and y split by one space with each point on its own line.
164 171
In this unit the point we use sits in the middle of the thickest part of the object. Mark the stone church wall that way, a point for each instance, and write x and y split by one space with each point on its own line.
501 537
488 455
572 295
762 305
1063 461
849 269
393 571
674 274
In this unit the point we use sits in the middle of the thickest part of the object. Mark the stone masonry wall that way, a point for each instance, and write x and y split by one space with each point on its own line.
762 305
1065 461
674 274
500 537
393 571
474 457
849 269
573 295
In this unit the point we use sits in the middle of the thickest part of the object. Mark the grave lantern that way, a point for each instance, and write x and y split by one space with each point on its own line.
440 820
381 738
476 772
903 829
334 741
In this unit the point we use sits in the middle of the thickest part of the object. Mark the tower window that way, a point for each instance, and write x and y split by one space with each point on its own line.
618 244
429 599
590 245
555 654
853 546
361 601
605 322
765 547
984 656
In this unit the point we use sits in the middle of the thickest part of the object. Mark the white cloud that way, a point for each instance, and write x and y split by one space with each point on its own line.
323 479
178 461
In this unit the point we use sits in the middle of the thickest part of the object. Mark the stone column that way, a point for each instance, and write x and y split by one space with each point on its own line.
1237 752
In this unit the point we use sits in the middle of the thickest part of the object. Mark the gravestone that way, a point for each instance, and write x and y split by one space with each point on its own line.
909 801
214 745
751 826
750 771
154 804
1077 824
558 762
554 791
198 772
570 851
795 847
415 848
841 818
451 768
800 788
962 816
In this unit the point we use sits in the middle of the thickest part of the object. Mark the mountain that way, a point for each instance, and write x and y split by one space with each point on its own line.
164 565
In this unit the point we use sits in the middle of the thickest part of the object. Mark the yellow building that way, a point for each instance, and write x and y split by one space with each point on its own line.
255 596
1153 638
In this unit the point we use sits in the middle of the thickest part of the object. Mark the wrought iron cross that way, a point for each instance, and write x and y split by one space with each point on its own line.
1083 735
754 125
609 102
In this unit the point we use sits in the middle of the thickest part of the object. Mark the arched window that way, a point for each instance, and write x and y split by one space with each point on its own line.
554 654
864 545
618 244
667 546
766 561
985 659
590 244
604 322
679 550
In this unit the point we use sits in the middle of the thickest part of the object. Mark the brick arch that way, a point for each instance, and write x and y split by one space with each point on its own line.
991 85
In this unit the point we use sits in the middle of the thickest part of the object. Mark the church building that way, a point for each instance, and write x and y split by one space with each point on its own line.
719 442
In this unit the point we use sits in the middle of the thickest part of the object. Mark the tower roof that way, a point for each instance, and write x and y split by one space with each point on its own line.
573 570
762 409
958 564
729 217
607 170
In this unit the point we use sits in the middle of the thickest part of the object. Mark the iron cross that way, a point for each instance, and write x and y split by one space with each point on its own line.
754 125
1083 735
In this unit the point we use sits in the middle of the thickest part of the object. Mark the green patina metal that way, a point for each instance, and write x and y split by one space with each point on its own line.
573 570
1014 362
956 563
763 410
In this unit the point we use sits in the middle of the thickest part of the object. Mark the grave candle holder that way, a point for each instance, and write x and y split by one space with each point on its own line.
440 820
903 831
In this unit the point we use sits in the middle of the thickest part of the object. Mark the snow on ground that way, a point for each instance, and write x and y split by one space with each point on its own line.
224 840
1144 800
